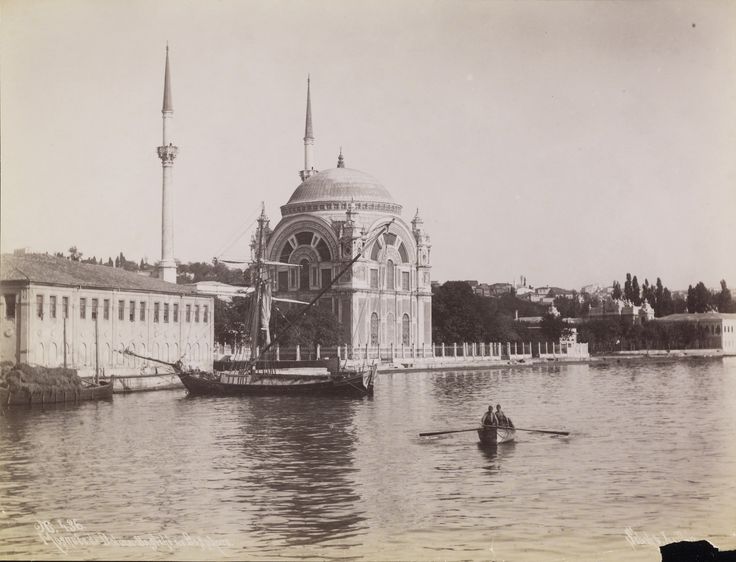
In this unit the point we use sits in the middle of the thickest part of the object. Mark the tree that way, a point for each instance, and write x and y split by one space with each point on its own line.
318 327
658 298
702 298
723 299
635 292
74 254
616 290
690 299
647 292
553 327
628 294
665 304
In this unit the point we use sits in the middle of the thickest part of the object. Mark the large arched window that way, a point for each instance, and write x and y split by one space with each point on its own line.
390 275
405 330
304 275
374 329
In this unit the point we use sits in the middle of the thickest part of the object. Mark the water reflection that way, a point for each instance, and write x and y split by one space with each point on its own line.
495 454
298 481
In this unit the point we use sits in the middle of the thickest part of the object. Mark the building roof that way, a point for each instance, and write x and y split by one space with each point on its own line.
697 316
50 270
340 184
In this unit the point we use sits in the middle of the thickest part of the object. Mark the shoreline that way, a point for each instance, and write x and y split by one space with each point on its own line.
651 356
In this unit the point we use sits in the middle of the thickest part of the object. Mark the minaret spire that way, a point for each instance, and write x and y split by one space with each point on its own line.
167 152
308 132
168 107
308 138
340 160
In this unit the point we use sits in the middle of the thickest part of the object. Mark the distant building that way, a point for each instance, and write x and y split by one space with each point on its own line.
222 291
498 289
719 327
55 311
623 308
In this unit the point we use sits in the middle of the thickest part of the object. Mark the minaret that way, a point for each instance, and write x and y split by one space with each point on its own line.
308 140
340 160
167 152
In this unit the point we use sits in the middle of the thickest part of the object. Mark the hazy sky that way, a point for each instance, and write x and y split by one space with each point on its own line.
570 142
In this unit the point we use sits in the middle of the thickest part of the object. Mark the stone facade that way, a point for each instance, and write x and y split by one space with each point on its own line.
93 312
385 297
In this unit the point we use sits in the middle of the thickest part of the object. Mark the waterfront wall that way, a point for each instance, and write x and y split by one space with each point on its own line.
456 352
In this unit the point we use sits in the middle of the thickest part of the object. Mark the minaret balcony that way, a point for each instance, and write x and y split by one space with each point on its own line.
167 154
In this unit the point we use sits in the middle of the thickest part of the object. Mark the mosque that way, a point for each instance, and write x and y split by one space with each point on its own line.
385 297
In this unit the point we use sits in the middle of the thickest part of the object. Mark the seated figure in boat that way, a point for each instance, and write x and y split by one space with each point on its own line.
489 418
501 418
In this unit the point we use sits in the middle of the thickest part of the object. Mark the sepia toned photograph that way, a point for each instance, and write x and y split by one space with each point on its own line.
368 280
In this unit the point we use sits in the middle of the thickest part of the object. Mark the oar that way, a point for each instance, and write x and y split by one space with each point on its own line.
497 427
452 431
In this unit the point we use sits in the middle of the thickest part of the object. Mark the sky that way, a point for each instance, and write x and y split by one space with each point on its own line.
568 142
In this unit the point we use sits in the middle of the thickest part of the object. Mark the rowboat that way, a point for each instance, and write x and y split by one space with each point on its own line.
494 435
100 391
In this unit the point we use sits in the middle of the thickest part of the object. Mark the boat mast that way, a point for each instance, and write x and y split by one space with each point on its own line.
255 309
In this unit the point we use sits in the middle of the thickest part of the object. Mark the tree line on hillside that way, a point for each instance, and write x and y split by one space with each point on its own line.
120 261
458 315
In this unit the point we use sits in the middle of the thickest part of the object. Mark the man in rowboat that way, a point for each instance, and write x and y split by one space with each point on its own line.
501 418
489 418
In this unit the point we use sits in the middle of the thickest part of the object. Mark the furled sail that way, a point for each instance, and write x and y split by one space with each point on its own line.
266 299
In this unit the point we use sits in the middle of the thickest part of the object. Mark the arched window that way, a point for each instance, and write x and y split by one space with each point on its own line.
375 250
403 254
374 329
323 251
286 252
405 330
304 275
390 274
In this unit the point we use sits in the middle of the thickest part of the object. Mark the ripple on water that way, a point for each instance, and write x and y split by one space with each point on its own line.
651 450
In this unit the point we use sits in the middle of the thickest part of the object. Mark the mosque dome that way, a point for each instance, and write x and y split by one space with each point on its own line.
335 188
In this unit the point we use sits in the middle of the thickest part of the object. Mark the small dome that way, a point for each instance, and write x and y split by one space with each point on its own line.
340 184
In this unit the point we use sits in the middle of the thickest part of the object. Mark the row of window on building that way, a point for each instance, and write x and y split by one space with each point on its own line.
300 278
161 311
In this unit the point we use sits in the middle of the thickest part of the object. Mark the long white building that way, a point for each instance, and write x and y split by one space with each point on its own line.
56 312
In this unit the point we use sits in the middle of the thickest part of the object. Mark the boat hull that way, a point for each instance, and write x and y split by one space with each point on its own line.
496 435
102 391
235 384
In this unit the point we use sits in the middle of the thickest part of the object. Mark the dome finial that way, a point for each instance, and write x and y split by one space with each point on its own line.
340 160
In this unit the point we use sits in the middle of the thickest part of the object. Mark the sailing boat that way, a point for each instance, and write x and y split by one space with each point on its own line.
262 375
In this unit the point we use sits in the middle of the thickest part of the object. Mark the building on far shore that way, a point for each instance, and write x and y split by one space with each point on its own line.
54 311
719 328
623 308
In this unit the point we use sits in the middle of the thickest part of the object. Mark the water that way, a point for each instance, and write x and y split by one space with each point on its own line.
652 457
